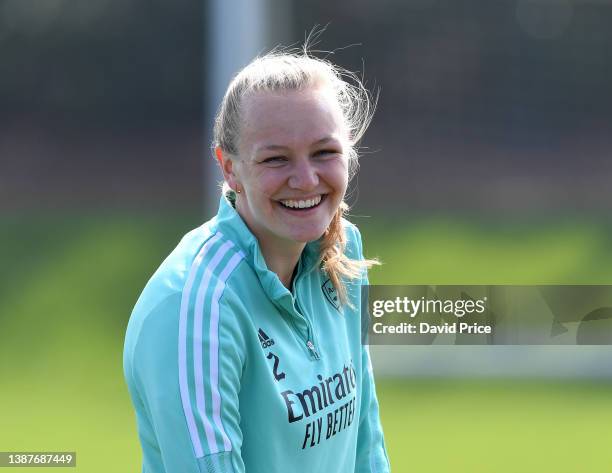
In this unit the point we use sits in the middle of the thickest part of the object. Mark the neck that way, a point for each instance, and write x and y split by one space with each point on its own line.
282 259
281 255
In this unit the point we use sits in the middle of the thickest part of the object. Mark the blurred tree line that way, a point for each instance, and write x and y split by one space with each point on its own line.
513 61
102 62
508 63
483 104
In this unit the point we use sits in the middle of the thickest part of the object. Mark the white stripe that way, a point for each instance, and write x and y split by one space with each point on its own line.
197 343
214 348
182 346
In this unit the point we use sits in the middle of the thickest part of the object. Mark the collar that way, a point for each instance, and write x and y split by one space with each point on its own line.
233 227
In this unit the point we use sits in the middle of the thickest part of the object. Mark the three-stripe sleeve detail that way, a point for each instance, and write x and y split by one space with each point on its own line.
199 322
182 347
214 350
198 315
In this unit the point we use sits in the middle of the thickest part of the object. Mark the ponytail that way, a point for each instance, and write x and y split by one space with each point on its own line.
333 258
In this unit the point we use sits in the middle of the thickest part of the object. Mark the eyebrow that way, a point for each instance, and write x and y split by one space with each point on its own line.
281 147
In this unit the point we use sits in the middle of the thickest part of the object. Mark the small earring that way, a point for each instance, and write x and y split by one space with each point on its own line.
238 191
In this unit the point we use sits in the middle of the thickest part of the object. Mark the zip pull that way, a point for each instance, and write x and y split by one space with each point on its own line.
312 349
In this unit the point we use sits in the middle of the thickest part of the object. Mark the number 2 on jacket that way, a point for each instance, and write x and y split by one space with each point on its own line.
277 376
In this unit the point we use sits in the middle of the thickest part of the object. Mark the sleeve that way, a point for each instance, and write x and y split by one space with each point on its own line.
371 451
185 387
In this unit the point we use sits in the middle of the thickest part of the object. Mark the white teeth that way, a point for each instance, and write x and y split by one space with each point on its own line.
301 204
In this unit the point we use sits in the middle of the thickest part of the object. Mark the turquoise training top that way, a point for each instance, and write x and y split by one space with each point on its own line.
230 372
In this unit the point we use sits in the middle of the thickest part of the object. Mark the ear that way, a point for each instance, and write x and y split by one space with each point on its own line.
226 162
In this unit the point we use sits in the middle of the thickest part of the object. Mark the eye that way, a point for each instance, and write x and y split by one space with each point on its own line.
326 152
274 160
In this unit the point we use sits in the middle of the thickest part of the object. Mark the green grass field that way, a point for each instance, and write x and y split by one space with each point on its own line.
68 285
503 426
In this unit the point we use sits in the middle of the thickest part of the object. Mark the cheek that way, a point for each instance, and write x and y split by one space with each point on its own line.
337 174
268 183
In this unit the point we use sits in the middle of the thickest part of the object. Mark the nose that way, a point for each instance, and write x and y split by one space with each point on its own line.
304 176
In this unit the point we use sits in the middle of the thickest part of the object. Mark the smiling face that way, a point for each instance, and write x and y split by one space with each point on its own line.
292 166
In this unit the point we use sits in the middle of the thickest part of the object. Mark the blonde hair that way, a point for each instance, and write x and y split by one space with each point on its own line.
282 70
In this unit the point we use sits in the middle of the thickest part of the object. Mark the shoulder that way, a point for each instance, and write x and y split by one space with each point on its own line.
183 300
201 260
213 265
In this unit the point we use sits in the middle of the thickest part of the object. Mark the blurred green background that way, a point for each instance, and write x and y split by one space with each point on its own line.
69 283
487 162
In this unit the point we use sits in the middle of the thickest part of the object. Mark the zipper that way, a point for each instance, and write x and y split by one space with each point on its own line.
313 350
310 345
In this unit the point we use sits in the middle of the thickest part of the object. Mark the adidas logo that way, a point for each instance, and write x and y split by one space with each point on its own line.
264 339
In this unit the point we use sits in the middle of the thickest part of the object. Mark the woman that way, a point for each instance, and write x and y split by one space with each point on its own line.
244 352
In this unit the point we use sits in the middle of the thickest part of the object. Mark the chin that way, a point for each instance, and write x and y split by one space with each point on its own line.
306 237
